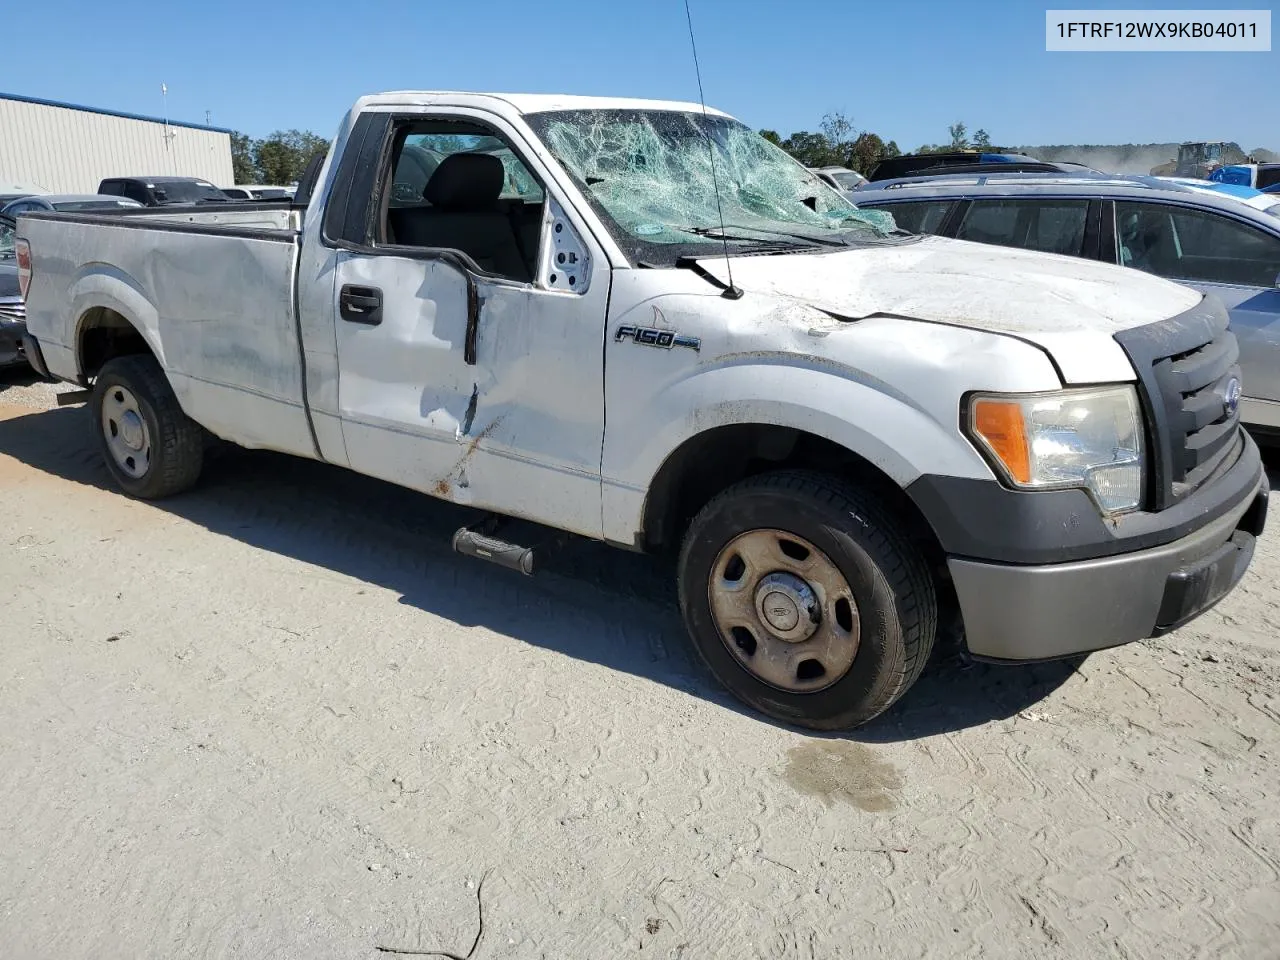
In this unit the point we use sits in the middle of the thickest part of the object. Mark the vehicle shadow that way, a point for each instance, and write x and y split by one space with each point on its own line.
587 600
17 375
1271 458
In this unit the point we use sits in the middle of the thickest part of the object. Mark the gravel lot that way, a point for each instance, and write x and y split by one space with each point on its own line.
278 718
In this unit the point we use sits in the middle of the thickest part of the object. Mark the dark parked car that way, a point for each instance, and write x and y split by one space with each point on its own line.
1200 236
17 189
163 191
911 164
13 314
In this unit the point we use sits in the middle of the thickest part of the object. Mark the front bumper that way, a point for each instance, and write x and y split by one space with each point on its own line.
1018 611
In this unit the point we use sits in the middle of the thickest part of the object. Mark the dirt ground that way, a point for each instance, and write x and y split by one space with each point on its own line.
278 718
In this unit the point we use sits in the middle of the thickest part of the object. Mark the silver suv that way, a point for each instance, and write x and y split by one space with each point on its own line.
1215 242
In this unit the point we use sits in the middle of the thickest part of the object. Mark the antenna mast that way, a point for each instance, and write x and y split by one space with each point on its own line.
731 292
168 134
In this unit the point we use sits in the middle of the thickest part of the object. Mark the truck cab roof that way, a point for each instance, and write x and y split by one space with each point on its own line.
524 103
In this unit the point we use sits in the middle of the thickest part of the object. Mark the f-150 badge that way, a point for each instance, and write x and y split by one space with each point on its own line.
655 336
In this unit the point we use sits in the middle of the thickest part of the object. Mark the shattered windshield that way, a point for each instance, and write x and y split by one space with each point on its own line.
649 174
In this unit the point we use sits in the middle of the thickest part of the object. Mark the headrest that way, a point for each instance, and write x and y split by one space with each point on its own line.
465 181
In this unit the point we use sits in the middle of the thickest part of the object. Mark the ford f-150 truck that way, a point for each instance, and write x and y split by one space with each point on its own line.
641 322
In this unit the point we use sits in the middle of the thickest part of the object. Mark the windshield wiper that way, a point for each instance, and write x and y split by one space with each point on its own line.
715 233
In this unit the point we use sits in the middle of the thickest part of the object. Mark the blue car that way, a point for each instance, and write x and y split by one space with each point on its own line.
1217 238
1260 176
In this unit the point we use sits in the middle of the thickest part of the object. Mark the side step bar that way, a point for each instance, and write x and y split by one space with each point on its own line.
73 397
472 543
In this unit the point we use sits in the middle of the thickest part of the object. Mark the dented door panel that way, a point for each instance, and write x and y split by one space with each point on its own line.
402 388
520 430
533 446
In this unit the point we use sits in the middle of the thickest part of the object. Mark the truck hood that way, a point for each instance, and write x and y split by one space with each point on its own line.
1069 307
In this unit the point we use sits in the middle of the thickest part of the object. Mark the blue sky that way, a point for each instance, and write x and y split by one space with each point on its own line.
904 70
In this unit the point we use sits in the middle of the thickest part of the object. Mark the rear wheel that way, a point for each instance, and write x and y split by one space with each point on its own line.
151 447
805 600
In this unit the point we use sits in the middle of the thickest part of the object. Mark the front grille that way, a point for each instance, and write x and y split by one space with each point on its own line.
1185 369
1195 387
13 310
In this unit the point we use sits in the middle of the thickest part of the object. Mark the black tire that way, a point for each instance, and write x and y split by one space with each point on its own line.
177 441
890 581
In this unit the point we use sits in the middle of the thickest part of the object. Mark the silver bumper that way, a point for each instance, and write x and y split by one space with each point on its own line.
1014 613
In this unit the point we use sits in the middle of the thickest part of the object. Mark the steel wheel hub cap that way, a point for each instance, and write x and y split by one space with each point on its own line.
125 431
784 610
131 430
788 606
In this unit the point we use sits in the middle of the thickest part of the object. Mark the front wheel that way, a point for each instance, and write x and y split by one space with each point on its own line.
805 600
151 447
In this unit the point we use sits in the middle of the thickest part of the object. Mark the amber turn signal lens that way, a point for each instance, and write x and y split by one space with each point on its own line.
1000 423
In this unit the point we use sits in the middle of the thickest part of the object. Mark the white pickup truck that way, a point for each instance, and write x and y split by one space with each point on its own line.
643 323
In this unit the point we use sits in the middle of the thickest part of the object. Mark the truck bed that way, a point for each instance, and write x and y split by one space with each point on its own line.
222 280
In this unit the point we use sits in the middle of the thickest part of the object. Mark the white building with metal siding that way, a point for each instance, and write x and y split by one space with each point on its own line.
70 149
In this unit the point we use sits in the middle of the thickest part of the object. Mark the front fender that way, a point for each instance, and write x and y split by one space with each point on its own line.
901 441
887 389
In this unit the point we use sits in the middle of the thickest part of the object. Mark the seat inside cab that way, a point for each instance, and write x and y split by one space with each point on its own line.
460 187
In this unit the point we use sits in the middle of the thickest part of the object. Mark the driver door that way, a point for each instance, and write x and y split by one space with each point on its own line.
470 323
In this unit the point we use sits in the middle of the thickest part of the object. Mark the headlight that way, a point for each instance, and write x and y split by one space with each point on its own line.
1088 438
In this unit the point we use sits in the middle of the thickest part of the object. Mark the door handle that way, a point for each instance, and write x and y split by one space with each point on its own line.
360 304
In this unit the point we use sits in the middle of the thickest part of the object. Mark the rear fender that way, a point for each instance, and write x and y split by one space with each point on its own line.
100 285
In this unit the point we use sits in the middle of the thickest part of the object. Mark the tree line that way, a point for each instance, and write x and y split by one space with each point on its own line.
277 159
837 143
281 157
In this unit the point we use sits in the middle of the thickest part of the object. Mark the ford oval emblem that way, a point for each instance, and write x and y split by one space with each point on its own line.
1231 396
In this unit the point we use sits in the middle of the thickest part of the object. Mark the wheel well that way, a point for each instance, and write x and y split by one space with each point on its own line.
105 335
708 463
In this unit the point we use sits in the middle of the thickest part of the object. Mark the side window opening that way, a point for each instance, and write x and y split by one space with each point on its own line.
991 221
1047 226
1180 243
1059 227
923 216
461 186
